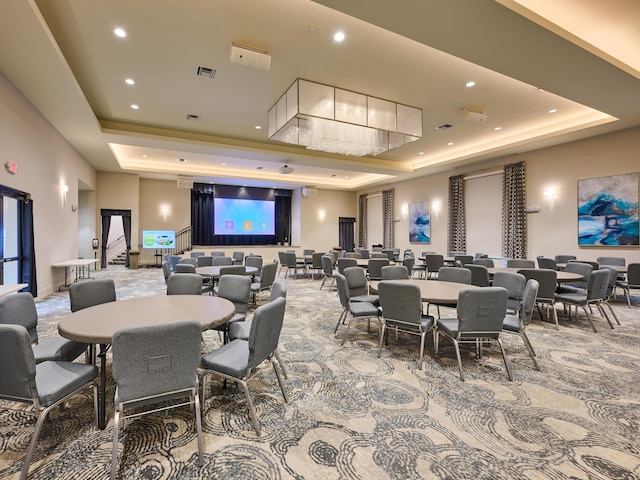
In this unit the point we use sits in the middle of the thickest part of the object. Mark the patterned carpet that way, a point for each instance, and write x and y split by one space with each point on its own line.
352 415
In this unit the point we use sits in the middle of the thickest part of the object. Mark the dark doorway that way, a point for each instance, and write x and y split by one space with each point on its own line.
106 223
346 233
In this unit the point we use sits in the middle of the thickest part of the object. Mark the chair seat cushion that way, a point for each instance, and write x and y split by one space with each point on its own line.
511 323
58 349
240 330
231 359
448 326
56 380
373 299
426 322
574 298
363 309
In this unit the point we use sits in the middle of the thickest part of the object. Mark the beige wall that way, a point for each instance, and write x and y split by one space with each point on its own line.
45 161
550 231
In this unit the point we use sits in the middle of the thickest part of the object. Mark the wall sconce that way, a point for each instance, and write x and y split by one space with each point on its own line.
436 209
551 197
164 211
321 215
404 210
64 189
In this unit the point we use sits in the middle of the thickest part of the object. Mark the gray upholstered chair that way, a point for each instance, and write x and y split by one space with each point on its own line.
346 262
233 270
454 275
189 261
615 261
518 323
355 255
434 263
266 281
596 292
364 253
278 289
375 267
486 262
255 261
514 284
184 268
548 263
89 293
358 285
580 268
564 258
282 258
204 261
547 284
218 254
390 253
327 270
293 264
222 261
520 263
395 272
480 315
613 279
316 264
462 260
196 254
479 275
156 365
45 385
401 306
353 309
237 359
409 262
236 289
237 258
174 259
166 270
184 284
20 309
632 282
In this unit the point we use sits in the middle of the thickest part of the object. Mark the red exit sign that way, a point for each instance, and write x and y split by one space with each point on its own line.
12 167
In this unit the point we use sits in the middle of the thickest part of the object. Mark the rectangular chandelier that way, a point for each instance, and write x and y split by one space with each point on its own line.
333 120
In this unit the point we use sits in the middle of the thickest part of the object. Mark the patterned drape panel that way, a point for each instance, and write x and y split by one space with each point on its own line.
387 218
514 222
457 230
362 221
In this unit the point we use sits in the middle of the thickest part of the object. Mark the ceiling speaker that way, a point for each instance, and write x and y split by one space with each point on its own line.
286 169
250 56
309 192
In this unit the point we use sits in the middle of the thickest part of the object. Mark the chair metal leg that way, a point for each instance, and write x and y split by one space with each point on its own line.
280 382
340 318
532 353
114 450
346 332
382 331
196 399
281 363
603 312
612 312
506 360
455 343
252 410
589 317
422 339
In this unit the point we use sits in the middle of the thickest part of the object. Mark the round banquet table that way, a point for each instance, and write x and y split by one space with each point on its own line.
434 291
97 324
562 276
214 271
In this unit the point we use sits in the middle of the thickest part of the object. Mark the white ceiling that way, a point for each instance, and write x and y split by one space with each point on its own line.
526 58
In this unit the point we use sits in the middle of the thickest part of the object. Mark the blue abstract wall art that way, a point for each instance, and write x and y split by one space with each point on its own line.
608 211
419 223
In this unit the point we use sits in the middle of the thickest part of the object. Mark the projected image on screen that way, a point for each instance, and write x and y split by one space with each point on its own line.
243 217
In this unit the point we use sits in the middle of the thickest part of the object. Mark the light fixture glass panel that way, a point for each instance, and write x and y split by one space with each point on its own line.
272 122
351 107
281 111
409 120
316 99
292 101
382 114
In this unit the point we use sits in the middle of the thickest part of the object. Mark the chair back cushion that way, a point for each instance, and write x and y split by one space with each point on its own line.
233 270
400 301
268 275
481 311
89 293
549 263
17 364
375 267
204 261
184 268
345 262
265 330
184 284
254 261
236 289
327 264
520 263
529 300
356 281
455 275
479 275
395 272
278 289
547 281
598 283
153 360
20 309
220 261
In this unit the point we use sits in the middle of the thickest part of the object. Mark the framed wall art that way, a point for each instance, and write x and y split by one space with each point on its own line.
419 223
608 211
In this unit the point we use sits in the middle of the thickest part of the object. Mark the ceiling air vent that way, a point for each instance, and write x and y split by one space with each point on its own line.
192 117
444 126
206 72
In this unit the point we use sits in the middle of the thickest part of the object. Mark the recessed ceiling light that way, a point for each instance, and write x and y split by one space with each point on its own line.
450 143
130 81
135 107
144 155
120 32
553 110
339 36
420 153
471 84
258 127
224 164
312 29
498 128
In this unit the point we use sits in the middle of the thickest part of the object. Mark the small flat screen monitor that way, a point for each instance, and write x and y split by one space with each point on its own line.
158 239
